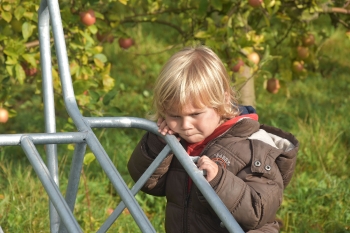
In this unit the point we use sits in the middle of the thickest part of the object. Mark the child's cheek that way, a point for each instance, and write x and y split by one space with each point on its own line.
172 125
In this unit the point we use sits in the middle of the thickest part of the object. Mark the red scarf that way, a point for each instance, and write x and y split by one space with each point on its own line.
194 149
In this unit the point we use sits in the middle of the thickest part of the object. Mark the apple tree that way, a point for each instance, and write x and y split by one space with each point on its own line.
273 39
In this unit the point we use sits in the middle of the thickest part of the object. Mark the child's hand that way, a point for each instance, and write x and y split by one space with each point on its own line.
205 163
163 127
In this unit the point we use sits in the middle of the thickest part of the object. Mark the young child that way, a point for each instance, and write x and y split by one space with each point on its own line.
247 164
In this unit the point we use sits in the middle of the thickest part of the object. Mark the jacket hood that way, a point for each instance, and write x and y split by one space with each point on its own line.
273 140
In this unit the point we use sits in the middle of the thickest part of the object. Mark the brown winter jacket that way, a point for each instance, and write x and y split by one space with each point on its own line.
256 164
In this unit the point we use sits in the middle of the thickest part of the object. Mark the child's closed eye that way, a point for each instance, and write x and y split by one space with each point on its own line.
196 114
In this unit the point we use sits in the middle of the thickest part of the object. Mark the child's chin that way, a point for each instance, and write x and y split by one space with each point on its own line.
192 139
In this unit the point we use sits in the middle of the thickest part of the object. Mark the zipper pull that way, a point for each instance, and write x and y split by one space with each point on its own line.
187 200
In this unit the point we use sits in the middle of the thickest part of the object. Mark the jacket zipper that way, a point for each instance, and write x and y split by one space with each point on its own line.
187 200
189 187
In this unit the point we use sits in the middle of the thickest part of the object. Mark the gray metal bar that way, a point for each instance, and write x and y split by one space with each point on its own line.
74 113
122 122
49 103
102 157
119 184
138 185
74 178
202 184
43 138
63 66
49 185
74 175
186 161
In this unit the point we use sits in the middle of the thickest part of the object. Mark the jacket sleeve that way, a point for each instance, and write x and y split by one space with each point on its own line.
143 155
272 227
252 196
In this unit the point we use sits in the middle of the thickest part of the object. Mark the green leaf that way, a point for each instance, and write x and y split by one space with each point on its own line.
107 69
20 75
30 58
19 12
202 35
94 96
6 7
124 2
83 100
98 15
108 82
27 30
98 63
6 16
89 158
217 4
114 111
9 70
109 96
5 80
203 7
73 67
89 39
70 147
101 57
93 29
11 60
30 16
15 48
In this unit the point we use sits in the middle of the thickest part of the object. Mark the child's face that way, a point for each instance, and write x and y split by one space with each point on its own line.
193 124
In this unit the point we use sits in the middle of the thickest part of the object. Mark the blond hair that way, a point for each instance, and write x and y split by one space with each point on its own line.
194 75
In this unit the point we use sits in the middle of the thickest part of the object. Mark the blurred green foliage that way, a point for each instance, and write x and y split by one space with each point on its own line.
111 81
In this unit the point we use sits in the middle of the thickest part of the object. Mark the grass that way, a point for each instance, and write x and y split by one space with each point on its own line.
314 110
317 198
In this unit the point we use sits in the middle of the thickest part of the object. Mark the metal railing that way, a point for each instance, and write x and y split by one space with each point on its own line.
61 208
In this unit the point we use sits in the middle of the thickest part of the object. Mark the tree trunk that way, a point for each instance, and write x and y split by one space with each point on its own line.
246 91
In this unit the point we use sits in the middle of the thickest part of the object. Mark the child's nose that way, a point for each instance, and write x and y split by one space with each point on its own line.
186 123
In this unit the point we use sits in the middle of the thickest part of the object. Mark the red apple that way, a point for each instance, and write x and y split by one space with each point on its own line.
298 67
308 40
255 3
125 43
4 115
273 85
29 71
303 52
88 17
254 57
238 65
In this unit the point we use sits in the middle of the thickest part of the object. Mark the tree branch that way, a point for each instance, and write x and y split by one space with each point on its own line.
178 11
177 28
35 43
326 10
285 35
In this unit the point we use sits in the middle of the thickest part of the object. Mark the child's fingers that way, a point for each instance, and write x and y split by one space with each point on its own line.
164 129
159 121
205 163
